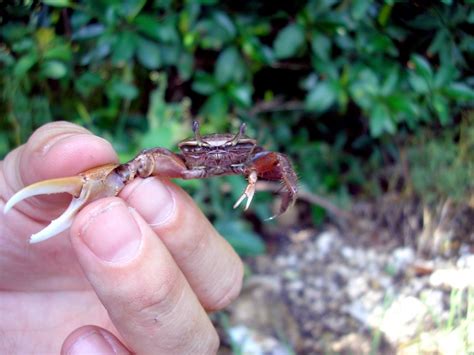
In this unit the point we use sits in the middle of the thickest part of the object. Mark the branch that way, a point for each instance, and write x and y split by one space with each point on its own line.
276 105
312 199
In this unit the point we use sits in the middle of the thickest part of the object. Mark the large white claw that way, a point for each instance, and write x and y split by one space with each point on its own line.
72 185
63 222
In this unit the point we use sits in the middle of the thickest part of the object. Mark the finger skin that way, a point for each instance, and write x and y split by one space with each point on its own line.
146 295
210 264
91 339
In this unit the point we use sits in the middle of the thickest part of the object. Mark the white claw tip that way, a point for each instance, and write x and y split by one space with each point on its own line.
8 206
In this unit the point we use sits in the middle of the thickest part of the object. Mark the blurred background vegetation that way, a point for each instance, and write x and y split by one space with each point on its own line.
364 96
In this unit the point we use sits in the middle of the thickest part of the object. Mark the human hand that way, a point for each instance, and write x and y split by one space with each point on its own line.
136 274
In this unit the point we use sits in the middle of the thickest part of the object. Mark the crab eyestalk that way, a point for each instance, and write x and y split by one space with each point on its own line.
239 135
197 134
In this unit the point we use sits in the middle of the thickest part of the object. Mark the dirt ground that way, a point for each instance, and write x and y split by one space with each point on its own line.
396 277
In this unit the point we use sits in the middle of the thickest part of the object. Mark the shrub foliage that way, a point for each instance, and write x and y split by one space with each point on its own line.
329 82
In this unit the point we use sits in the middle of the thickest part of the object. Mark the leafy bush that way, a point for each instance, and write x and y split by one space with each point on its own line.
442 166
331 83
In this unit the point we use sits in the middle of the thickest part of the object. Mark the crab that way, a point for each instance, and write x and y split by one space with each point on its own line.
200 157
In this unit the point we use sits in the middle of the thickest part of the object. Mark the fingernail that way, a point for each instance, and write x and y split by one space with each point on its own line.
91 343
112 233
153 200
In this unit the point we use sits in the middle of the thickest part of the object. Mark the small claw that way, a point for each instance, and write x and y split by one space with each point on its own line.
248 195
249 191
72 185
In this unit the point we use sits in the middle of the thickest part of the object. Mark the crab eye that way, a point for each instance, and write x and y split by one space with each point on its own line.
193 149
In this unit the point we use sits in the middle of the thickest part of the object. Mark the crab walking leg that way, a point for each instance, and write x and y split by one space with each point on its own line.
249 190
64 221
72 185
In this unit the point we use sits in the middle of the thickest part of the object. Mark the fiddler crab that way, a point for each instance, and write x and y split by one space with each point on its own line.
200 157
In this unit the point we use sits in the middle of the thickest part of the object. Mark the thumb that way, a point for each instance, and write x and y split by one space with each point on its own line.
55 150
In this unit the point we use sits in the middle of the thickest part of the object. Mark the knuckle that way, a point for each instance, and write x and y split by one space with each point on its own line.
157 300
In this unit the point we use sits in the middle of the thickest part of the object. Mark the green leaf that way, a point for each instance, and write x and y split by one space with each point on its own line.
6 59
229 66
148 53
124 48
53 69
359 8
441 106
61 52
418 83
422 67
23 45
24 64
87 82
131 8
445 75
241 237
122 89
321 97
289 41
459 92
148 25
226 24
380 120
242 95
162 137
321 46
185 65
216 108
167 31
401 103
90 31
14 31
162 30
169 54
204 83
391 82
57 3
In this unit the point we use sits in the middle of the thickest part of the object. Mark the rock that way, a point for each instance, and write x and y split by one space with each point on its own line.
252 342
403 319
402 258
352 343
452 278
260 311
